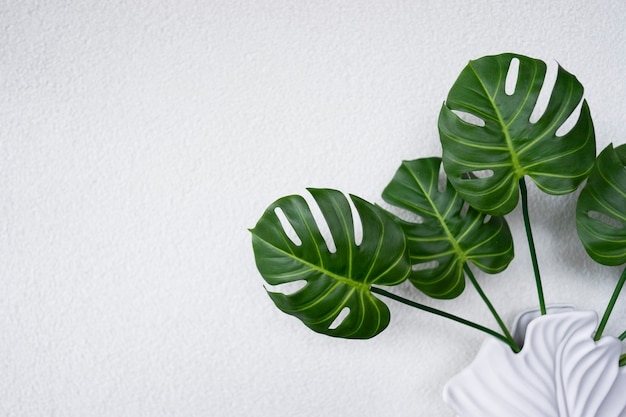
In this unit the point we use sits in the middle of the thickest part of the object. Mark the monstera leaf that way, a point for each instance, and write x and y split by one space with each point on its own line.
336 278
501 144
601 208
561 371
449 234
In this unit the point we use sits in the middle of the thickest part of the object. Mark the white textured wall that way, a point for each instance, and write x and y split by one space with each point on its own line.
139 140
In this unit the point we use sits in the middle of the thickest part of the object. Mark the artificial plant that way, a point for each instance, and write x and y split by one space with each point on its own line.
493 140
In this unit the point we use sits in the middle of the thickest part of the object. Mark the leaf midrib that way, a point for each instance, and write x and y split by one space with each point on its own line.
312 266
500 120
441 220
362 286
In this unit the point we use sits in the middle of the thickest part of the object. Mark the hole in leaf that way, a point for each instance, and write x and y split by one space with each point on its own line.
356 223
443 180
570 122
480 174
511 77
546 91
464 209
487 218
288 288
608 220
287 227
469 118
425 266
340 318
403 214
322 225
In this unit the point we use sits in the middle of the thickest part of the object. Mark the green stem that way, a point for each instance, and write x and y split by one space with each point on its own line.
531 244
458 319
622 336
609 307
495 314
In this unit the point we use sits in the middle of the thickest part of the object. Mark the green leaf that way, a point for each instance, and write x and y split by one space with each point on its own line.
509 146
336 279
601 208
449 234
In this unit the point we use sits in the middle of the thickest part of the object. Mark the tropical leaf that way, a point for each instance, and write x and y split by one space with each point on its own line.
601 208
502 144
561 371
336 278
450 232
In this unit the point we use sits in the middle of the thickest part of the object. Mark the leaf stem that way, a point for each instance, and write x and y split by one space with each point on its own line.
432 310
495 314
609 307
622 336
531 244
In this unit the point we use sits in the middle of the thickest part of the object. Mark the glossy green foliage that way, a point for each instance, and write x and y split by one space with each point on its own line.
501 144
449 234
601 208
336 278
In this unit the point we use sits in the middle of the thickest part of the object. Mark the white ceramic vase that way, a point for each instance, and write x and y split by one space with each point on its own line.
560 371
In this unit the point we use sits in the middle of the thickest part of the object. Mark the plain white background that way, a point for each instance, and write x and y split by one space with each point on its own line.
140 139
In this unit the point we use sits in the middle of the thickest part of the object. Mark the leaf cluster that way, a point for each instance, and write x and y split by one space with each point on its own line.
491 140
